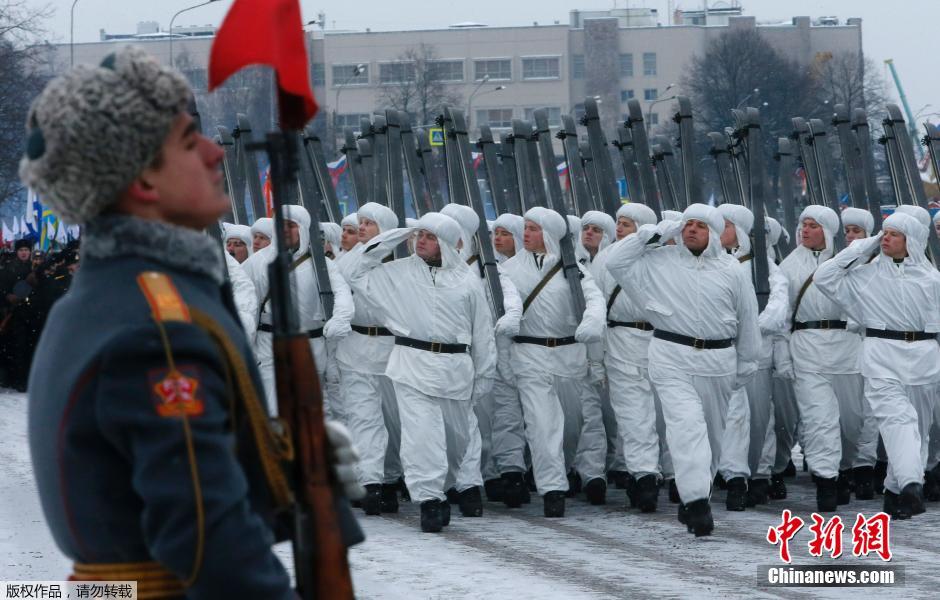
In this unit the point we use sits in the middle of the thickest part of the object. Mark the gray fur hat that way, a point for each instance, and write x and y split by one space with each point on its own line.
93 130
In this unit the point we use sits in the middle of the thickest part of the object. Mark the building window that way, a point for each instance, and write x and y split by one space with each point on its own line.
554 115
498 70
495 117
318 74
626 65
577 66
351 120
446 70
649 63
346 75
626 95
650 94
396 73
540 68
654 119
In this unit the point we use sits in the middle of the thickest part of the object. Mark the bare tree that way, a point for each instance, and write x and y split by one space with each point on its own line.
420 89
732 67
851 79
22 77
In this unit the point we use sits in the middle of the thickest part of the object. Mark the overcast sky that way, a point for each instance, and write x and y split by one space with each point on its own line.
904 30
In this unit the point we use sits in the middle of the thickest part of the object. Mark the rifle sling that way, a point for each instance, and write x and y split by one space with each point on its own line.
799 298
294 265
613 298
535 292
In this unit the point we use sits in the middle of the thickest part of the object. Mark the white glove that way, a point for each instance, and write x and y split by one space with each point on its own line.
746 371
345 458
481 387
596 372
668 230
785 372
585 333
507 326
331 372
334 329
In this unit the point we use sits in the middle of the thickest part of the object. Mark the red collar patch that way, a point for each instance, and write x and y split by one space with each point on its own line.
175 394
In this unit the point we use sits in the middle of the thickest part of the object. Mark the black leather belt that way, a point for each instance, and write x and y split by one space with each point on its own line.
548 342
371 331
697 343
313 333
904 336
435 347
819 325
642 325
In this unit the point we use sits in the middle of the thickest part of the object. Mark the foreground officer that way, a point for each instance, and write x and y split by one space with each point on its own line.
151 448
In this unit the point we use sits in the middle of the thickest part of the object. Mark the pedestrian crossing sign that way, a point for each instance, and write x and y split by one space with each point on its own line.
436 136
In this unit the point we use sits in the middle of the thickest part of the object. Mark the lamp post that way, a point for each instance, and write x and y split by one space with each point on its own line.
649 110
495 89
358 70
744 99
474 93
72 34
173 18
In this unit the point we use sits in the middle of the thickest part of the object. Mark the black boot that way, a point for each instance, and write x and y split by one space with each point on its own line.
700 520
827 494
631 491
530 480
445 513
513 488
890 506
431 521
844 488
390 497
880 472
574 484
372 502
618 478
596 491
931 486
777 489
495 490
683 514
911 499
403 490
452 496
674 492
554 504
526 495
757 491
805 465
737 494
720 482
471 502
864 482
790 470
647 493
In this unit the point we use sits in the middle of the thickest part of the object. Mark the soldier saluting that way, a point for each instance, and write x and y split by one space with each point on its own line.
150 442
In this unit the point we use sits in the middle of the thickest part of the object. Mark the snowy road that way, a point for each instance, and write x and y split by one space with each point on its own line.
595 552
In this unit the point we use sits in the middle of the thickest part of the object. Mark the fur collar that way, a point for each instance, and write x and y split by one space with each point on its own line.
111 236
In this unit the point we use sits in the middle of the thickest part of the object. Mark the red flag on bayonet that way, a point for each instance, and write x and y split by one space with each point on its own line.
267 32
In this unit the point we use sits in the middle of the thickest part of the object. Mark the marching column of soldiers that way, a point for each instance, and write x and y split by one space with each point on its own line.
655 344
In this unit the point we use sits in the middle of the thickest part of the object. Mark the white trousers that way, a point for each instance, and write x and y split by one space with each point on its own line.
365 397
470 473
904 414
264 354
614 460
933 448
546 426
694 408
508 429
736 439
632 398
434 437
786 418
831 420
591 444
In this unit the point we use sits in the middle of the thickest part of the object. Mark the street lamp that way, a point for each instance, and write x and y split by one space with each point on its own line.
474 93
743 100
495 89
358 70
178 13
72 34
918 114
649 110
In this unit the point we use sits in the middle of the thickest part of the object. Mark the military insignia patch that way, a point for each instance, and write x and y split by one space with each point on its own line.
175 393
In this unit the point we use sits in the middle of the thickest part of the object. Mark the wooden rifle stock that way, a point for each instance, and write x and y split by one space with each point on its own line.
321 565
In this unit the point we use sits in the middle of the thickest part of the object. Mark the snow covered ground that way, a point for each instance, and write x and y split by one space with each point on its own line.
593 553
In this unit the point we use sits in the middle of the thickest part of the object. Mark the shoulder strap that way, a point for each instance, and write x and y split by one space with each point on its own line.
613 298
799 298
745 258
165 301
535 292
294 265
